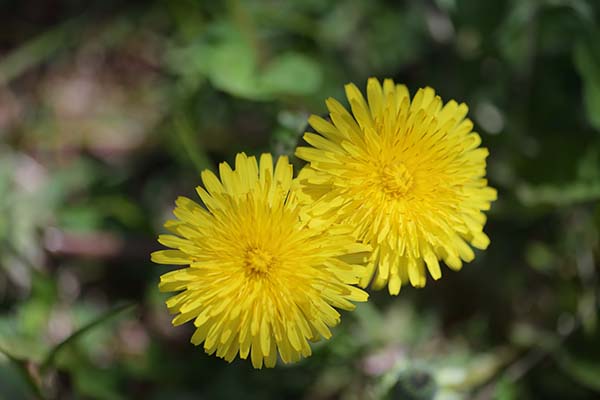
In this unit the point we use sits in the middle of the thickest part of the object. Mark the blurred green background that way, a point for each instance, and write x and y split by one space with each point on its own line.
109 110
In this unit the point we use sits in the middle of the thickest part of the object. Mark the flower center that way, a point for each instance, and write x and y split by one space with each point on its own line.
396 180
258 261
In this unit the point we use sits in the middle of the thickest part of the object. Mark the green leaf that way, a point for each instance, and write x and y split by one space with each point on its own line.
233 69
33 314
507 390
558 195
584 371
236 65
81 218
514 35
540 256
97 383
21 367
292 73
588 66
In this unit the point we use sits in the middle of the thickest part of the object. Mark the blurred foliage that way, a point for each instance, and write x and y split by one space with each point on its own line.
109 110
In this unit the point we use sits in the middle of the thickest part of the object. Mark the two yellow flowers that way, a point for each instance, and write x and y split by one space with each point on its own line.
390 189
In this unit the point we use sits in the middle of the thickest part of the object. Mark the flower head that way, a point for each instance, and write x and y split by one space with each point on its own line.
409 176
259 278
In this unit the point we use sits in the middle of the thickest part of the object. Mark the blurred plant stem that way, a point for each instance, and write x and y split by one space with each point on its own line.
188 138
247 27
51 357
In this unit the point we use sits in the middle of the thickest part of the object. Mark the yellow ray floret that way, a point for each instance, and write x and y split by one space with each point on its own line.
259 279
409 176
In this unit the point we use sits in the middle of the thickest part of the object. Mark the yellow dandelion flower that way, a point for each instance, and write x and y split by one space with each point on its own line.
259 279
409 176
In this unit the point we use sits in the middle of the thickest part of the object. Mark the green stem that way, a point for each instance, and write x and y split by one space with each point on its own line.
51 357
185 133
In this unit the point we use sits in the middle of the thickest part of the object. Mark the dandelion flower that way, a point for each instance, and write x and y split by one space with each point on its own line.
259 280
409 176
